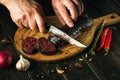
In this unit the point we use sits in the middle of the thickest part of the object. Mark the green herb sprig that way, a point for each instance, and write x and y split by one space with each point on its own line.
92 49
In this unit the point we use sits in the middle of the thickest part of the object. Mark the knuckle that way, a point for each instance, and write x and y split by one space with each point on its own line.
36 8
78 4
16 21
71 5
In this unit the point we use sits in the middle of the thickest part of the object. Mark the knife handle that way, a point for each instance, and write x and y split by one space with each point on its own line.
83 22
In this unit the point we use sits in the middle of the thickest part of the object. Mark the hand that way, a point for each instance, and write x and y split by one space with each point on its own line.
68 10
26 13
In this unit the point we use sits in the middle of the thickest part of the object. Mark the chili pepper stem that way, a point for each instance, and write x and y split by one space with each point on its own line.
106 51
114 28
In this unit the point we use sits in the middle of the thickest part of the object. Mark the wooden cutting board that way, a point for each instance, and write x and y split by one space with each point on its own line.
68 50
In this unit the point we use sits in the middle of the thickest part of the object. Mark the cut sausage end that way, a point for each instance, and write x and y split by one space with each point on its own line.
45 46
29 45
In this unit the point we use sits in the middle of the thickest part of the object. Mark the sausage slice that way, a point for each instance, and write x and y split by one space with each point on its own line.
29 45
45 46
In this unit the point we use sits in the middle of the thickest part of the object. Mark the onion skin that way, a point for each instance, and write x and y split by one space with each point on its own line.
5 59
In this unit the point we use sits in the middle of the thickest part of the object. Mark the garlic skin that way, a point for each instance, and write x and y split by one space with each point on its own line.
22 64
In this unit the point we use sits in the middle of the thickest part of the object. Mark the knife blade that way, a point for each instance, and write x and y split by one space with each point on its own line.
64 36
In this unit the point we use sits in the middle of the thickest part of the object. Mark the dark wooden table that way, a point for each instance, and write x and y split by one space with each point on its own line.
99 68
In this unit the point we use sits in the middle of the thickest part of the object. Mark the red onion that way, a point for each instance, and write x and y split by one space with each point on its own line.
5 59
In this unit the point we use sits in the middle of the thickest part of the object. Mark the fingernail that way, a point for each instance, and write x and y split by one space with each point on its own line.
42 30
71 24
32 28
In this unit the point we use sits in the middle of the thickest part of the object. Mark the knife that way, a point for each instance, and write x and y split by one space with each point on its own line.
70 34
66 37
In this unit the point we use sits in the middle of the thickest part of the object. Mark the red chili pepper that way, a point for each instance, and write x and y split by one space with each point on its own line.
103 37
108 41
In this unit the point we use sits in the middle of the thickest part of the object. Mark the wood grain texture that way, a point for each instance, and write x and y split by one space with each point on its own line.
68 50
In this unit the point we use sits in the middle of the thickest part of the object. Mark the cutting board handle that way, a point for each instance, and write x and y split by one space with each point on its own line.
110 19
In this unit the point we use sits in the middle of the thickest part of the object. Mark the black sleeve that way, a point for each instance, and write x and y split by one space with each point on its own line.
47 7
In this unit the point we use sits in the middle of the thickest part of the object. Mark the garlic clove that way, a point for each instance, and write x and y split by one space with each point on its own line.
60 71
22 64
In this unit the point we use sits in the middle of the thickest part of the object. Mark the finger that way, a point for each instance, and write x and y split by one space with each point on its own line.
82 6
63 12
32 22
25 22
59 16
40 22
79 6
19 23
72 9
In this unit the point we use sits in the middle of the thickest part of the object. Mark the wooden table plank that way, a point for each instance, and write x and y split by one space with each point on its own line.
104 7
